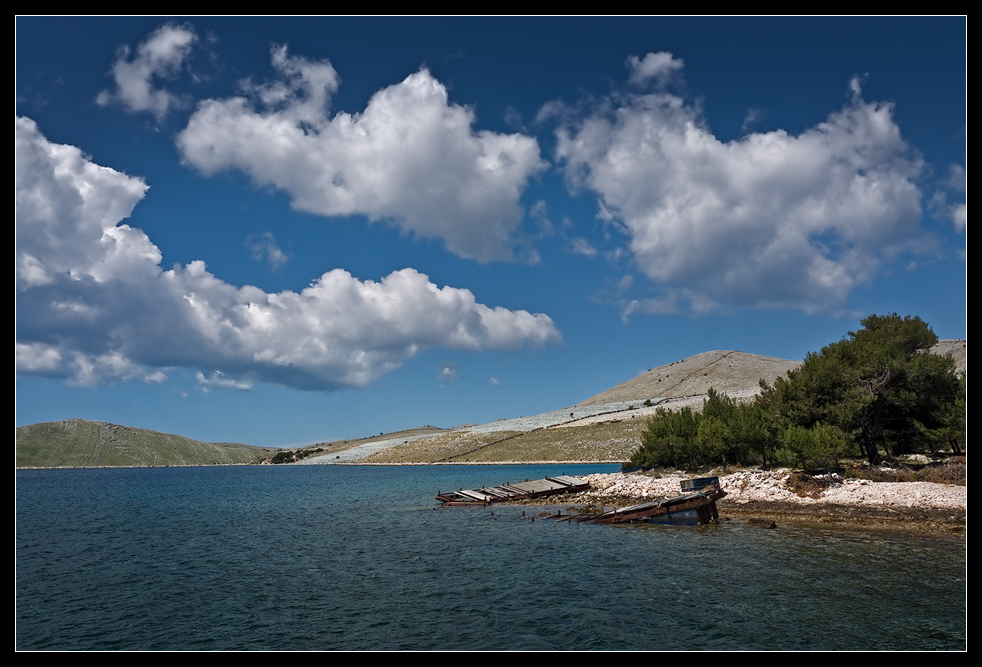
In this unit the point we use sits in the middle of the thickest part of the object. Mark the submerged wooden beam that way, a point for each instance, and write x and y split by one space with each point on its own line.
701 503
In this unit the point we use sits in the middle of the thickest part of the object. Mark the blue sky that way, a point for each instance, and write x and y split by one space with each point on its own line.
285 231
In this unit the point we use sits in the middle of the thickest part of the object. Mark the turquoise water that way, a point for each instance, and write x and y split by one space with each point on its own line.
357 558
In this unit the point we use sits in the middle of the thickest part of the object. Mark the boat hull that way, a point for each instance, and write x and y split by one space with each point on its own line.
692 508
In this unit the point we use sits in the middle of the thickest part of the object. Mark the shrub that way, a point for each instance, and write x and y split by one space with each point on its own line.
818 447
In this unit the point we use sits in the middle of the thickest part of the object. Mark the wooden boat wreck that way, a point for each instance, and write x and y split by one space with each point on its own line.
697 506
538 488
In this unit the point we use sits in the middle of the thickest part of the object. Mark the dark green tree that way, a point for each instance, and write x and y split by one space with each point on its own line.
956 422
880 385
718 405
818 447
752 433
670 439
685 438
720 433
715 440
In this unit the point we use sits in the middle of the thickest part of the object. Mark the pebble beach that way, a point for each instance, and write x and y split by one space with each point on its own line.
917 506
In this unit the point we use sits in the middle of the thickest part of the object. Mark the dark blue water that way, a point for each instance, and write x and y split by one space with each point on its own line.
343 557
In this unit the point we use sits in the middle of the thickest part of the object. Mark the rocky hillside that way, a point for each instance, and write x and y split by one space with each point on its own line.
609 435
724 370
957 348
735 373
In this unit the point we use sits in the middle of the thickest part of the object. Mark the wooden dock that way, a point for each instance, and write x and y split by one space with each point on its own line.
537 488
696 504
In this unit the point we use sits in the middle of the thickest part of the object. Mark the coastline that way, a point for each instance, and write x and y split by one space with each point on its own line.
917 520
915 507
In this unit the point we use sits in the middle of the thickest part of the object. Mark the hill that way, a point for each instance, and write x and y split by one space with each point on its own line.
604 427
957 348
736 373
619 416
726 371
79 443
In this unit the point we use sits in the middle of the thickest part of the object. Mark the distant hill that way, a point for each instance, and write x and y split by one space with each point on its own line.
79 443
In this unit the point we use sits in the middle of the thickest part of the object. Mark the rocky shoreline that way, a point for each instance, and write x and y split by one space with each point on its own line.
921 507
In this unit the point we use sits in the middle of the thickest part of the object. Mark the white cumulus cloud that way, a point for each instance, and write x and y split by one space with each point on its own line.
93 304
161 56
772 219
411 158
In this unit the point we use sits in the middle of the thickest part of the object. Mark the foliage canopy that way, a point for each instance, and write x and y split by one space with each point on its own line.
879 387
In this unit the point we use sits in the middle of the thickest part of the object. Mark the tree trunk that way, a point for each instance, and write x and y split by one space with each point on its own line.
871 429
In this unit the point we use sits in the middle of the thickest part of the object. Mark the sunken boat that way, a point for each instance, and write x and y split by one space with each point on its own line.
695 505
537 488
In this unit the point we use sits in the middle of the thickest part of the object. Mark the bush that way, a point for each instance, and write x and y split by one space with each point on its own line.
818 447
670 440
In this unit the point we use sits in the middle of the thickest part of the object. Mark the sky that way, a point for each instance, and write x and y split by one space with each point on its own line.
285 231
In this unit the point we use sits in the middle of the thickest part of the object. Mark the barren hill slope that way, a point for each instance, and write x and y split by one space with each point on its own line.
723 370
736 373
605 427
957 348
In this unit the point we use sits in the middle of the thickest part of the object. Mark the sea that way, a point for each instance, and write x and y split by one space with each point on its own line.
357 558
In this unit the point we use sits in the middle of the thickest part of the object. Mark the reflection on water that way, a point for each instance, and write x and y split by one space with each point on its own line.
339 557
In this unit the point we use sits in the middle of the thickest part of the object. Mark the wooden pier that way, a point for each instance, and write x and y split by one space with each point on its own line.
537 488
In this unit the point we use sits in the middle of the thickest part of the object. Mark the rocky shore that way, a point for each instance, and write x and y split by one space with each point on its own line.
775 495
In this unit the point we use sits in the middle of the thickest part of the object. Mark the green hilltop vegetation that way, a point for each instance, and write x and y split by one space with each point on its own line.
79 443
879 393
